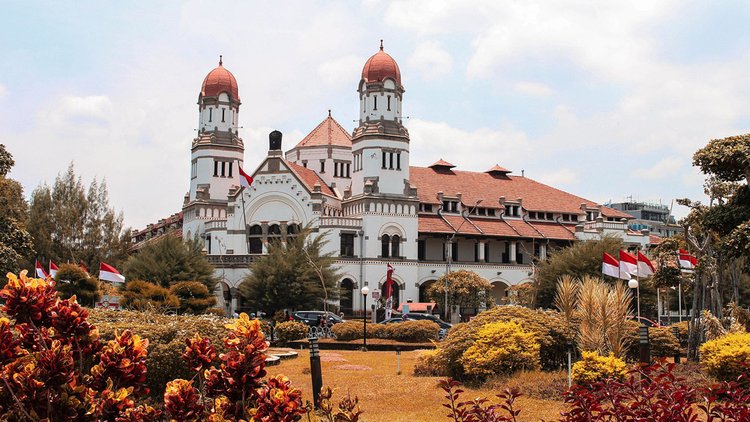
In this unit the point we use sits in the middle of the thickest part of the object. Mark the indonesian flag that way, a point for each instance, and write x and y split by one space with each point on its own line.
245 180
610 266
52 268
628 263
389 282
687 261
645 267
109 273
40 270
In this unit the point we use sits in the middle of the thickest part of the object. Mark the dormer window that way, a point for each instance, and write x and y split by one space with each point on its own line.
511 210
450 206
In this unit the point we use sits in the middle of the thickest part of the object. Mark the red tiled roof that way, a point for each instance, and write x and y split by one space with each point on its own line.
474 186
220 80
417 306
310 178
381 66
328 132
442 163
432 223
654 239
497 169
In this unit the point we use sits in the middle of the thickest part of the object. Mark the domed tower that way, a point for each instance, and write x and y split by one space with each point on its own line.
216 151
380 144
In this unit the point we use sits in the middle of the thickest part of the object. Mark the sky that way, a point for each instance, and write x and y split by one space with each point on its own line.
604 99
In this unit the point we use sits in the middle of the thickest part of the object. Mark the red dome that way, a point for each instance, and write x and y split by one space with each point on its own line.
380 67
220 80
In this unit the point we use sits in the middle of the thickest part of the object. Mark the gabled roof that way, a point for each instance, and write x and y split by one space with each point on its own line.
328 133
310 178
474 186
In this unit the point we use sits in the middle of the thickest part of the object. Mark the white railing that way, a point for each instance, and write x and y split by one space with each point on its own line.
340 222
216 224
604 225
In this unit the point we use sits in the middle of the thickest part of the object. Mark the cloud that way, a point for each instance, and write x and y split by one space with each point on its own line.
95 109
534 89
431 60
664 169
3 90
334 71
477 150
563 176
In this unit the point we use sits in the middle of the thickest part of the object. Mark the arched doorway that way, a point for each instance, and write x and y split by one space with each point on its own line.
423 288
499 292
346 296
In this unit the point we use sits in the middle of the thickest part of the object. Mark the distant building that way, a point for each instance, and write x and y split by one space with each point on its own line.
169 225
376 209
655 218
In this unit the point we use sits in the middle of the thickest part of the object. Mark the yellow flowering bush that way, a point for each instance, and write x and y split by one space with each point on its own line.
501 347
292 330
727 357
593 367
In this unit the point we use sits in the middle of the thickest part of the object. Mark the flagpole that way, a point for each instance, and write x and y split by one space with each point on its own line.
244 220
638 279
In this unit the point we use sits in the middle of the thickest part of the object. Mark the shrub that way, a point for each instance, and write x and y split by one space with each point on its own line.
726 358
550 331
593 367
194 297
354 329
430 364
543 385
216 312
144 296
412 331
663 342
683 327
501 348
292 330
72 280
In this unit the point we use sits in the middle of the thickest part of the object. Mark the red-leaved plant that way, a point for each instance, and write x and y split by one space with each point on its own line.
478 410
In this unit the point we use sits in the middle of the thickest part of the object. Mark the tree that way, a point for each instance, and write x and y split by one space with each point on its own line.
285 277
194 297
15 242
69 224
144 296
578 260
169 260
73 280
465 289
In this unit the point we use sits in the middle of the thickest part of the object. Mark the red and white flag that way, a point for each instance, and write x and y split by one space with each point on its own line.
40 270
628 263
245 179
645 267
52 268
389 282
610 266
687 261
82 266
109 273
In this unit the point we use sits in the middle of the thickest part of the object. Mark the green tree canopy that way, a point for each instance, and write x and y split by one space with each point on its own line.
728 158
168 260
194 297
72 280
144 296
15 242
70 224
289 276
578 260
466 289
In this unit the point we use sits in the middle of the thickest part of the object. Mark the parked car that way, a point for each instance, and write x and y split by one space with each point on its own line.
444 326
313 318
645 321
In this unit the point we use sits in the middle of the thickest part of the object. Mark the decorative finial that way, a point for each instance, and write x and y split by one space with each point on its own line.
221 61
381 45
329 112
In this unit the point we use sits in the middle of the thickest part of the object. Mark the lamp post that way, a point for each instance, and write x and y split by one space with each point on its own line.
365 291
633 284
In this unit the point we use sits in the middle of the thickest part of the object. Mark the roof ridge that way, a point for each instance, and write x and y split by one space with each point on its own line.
328 135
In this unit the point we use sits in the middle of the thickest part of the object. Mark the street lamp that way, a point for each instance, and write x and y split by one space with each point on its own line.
365 291
633 284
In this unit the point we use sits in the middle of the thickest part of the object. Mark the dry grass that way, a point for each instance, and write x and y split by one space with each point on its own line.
386 396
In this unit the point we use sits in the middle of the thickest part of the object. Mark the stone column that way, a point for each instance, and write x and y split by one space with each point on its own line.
235 300
542 251
264 237
512 252
480 251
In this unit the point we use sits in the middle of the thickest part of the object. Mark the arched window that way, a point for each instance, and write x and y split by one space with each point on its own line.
274 233
396 246
386 246
292 229
255 241
346 295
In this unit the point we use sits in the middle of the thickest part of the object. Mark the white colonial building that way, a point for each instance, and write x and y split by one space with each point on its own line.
374 207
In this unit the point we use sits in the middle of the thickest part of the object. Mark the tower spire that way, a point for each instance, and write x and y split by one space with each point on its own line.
381 45
221 61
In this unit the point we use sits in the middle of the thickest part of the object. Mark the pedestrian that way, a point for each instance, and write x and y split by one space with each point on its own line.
235 315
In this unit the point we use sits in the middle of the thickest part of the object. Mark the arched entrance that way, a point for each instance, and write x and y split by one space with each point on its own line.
346 296
499 292
423 288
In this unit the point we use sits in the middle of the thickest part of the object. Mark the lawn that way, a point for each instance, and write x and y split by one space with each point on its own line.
386 396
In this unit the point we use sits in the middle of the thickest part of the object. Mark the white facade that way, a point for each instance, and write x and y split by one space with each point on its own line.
357 190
